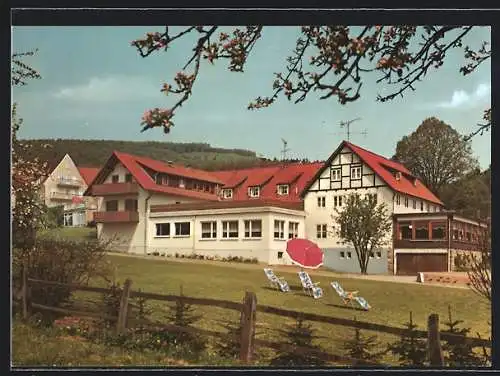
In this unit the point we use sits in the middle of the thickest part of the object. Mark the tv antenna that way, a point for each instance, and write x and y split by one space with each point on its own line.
347 126
285 149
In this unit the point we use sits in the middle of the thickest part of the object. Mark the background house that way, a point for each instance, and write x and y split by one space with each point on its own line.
65 186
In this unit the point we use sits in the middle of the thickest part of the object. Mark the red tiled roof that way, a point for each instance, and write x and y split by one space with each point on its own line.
88 173
297 175
404 184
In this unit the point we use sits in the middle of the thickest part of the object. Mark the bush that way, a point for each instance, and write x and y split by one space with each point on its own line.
54 217
59 260
462 263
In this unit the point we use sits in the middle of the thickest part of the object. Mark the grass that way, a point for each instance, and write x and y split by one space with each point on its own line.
71 233
391 302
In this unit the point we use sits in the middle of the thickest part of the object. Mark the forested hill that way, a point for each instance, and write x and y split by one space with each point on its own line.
94 153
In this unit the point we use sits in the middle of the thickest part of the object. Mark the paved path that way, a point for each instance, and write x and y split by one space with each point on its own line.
294 269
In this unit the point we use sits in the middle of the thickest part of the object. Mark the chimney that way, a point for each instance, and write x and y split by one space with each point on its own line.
170 163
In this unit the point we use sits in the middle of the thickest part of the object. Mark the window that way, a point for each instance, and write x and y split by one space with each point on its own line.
372 255
321 201
337 201
438 231
421 206
182 229
468 234
433 208
421 231
321 231
158 178
349 255
379 254
283 189
173 181
414 204
406 202
229 229
130 205
455 232
128 178
342 254
115 179
373 196
209 230
336 174
356 173
293 230
164 180
253 228
163 229
405 231
280 255
398 199
279 229
112 205
254 191
227 193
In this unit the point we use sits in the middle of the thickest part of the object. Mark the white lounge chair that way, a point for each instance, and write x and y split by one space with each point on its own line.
276 282
350 296
309 286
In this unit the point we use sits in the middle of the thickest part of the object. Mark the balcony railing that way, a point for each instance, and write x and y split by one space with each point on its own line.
61 196
116 216
69 181
111 189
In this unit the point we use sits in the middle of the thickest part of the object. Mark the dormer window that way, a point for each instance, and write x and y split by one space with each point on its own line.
283 189
227 193
253 191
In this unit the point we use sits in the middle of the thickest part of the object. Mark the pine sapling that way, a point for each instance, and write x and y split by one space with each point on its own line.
410 349
299 335
361 348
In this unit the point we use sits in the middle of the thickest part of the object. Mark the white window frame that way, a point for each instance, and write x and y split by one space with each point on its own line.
337 201
254 191
356 173
227 193
321 201
226 230
293 230
336 174
349 255
398 199
283 189
406 202
178 228
321 231
162 235
212 230
279 228
249 228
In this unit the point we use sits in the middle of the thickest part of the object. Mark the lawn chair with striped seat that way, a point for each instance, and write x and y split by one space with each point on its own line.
276 282
309 286
350 296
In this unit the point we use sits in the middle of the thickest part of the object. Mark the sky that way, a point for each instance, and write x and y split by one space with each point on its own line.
95 86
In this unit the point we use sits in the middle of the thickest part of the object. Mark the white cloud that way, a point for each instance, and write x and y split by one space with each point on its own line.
110 89
461 98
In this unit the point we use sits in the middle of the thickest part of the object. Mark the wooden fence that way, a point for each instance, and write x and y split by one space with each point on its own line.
248 309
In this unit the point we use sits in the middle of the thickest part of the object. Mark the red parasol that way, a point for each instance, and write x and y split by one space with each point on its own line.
304 253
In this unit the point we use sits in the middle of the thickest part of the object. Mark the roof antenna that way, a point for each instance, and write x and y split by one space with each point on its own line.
347 126
284 150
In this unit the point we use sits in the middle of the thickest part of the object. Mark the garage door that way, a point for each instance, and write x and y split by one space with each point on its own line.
412 263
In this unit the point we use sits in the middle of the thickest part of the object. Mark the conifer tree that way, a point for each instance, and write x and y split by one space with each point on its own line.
362 348
410 349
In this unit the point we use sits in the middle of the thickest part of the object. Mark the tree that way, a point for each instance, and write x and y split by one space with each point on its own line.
362 348
436 153
470 195
339 57
480 267
410 349
364 225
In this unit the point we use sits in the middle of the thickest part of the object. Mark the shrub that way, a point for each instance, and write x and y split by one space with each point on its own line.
462 263
255 260
54 217
410 349
59 260
361 348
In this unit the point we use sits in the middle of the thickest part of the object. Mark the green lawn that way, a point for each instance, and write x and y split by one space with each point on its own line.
391 302
71 233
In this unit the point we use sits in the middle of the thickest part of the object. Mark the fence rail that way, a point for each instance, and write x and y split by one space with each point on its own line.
248 309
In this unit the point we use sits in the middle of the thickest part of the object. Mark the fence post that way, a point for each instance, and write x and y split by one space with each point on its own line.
248 315
25 291
121 324
435 353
